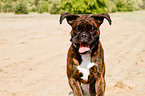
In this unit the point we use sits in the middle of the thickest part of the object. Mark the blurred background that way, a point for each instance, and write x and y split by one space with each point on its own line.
33 46
71 6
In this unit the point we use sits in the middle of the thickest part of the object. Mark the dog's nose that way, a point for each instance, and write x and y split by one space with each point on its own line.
84 35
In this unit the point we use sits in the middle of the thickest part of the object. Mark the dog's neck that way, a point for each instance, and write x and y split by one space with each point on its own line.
86 60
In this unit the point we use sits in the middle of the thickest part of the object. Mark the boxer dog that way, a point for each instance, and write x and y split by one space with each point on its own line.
85 59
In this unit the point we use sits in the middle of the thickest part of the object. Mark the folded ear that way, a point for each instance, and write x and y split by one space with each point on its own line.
69 17
100 18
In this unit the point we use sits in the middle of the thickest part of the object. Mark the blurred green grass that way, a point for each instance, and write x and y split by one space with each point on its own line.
71 6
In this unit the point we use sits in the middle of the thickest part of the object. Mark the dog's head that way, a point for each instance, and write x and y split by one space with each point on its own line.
85 29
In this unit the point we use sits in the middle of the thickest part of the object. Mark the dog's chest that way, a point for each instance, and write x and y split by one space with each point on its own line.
85 66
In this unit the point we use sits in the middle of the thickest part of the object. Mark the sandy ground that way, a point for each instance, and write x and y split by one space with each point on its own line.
33 52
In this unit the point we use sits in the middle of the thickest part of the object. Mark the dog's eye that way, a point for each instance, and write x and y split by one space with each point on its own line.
76 30
93 30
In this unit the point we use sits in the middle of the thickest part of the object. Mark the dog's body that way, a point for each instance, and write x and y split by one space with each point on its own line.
85 60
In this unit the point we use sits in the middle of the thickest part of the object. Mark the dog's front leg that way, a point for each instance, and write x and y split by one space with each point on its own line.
100 86
75 86
97 88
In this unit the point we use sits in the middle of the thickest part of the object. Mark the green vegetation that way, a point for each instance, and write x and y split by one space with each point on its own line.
71 6
21 7
84 6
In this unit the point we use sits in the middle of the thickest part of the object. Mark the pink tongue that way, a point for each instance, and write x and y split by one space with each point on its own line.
84 48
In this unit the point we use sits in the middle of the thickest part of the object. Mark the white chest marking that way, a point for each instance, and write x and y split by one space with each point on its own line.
85 66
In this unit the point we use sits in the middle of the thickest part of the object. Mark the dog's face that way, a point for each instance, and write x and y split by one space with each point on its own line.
85 30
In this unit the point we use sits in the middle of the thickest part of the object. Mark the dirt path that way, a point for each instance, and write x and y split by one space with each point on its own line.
33 55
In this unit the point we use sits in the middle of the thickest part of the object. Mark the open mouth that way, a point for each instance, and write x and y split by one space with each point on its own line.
84 48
